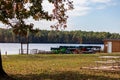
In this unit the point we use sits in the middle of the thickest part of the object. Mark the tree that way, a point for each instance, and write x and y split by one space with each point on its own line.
13 13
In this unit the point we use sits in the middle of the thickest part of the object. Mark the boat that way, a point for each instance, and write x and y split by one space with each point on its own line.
75 49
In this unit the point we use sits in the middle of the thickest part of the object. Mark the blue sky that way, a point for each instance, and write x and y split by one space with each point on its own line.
88 15
99 16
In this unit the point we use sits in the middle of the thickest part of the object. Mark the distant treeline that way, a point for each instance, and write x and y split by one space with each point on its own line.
45 36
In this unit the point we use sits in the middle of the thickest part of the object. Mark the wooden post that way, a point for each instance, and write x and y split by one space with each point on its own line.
27 41
21 48
27 48
6 53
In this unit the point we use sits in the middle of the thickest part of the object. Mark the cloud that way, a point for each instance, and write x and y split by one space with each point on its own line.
81 8
100 1
79 11
84 7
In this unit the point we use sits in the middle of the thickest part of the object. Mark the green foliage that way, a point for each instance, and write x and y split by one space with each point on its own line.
44 36
15 9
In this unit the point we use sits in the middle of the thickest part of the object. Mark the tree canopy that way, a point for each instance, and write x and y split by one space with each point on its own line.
14 12
45 36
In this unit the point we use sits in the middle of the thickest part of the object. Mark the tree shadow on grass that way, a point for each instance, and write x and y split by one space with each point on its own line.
66 75
6 78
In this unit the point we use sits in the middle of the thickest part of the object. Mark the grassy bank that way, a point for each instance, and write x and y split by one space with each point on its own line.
56 67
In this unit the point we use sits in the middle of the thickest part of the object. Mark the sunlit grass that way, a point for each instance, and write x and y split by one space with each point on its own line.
56 67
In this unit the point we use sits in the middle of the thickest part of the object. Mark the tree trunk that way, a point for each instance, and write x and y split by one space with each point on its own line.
2 72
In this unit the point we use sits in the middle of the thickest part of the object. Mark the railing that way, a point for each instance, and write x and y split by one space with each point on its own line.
34 51
23 51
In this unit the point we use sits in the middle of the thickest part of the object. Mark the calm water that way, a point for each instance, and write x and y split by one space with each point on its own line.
13 48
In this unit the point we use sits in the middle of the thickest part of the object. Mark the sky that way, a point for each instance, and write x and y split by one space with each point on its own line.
88 15
96 15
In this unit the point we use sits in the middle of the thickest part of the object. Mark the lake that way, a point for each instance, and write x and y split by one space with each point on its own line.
13 48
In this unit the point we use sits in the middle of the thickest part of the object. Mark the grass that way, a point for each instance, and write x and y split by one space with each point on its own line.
56 67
